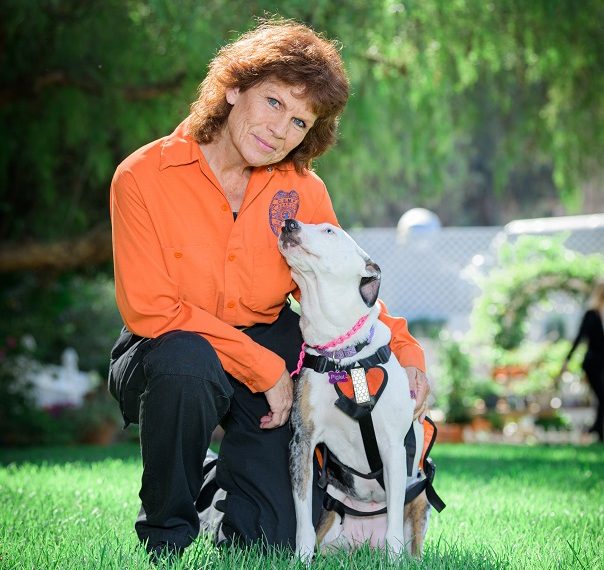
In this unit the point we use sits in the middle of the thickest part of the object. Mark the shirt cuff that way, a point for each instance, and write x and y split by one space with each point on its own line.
266 373
411 355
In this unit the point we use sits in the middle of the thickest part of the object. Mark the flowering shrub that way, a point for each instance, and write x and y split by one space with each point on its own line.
527 272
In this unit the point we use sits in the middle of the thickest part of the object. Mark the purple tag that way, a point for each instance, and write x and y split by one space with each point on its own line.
336 376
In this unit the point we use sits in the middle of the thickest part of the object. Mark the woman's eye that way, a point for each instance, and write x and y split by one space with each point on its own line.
299 123
272 102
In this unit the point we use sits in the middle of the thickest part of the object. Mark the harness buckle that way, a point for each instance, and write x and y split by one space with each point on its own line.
321 364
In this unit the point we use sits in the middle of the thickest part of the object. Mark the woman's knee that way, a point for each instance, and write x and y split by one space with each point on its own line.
183 353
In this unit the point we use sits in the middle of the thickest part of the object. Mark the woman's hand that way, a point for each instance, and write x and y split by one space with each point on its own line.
280 399
419 389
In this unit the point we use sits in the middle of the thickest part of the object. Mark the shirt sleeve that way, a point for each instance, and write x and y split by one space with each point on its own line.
324 212
406 349
149 301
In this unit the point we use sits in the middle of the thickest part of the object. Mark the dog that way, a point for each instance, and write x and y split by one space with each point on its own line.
363 432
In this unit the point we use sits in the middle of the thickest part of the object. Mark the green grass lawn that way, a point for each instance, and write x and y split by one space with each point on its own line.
507 507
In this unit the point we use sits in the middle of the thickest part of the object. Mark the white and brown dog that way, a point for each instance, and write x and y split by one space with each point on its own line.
352 397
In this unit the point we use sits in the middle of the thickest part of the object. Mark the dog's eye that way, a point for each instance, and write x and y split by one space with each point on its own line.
329 231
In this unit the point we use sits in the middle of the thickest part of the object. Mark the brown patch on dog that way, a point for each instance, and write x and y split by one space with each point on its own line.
328 518
416 513
300 461
305 407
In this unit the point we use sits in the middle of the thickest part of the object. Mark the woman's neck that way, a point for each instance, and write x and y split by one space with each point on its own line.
230 170
224 158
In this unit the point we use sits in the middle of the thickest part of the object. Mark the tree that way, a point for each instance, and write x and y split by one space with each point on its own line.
452 103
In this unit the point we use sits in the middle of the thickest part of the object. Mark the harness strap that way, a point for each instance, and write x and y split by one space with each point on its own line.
430 433
333 459
431 494
322 364
332 504
410 448
371 449
412 492
322 457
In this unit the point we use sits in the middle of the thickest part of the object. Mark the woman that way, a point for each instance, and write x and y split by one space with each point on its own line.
592 331
209 336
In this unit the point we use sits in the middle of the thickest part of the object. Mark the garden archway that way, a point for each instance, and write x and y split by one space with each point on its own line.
530 270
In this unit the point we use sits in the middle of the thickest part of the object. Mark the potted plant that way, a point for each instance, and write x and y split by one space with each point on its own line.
455 371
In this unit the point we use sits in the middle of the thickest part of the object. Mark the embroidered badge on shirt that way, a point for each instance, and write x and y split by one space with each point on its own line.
284 206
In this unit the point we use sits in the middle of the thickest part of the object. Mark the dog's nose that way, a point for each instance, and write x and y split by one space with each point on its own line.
291 225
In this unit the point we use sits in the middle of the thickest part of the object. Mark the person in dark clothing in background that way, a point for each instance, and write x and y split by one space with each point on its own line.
592 331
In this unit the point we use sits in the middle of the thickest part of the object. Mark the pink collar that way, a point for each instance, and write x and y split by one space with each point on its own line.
322 347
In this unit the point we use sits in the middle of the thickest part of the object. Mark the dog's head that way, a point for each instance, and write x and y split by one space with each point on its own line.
327 252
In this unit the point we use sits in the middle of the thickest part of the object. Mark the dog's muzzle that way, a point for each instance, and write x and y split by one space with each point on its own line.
290 233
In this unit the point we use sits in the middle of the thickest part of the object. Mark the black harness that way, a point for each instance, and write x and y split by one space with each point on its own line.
362 413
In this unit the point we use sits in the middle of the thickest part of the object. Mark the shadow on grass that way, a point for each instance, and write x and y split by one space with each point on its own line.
559 466
63 454
59 455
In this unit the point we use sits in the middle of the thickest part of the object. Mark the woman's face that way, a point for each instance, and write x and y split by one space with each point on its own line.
267 121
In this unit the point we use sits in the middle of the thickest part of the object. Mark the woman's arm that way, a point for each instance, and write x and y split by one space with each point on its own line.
149 300
581 334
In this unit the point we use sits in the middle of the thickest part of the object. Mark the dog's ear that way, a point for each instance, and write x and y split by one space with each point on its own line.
370 282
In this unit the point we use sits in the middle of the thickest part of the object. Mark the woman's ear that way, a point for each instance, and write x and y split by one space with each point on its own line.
232 93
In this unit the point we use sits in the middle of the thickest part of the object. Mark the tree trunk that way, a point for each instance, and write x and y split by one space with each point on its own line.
89 249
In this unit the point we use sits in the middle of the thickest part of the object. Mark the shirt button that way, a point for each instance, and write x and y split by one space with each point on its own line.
224 207
230 304
231 257
269 169
178 254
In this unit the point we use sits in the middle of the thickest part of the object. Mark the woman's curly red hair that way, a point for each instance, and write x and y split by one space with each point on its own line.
289 52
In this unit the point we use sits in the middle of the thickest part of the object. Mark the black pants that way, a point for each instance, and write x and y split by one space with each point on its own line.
176 389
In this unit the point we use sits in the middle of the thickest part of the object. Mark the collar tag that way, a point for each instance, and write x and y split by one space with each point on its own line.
359 384
336 376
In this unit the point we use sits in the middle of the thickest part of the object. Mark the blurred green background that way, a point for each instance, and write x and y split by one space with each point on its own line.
480 111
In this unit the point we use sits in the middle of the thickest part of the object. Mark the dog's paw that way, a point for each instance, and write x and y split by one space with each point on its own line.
305 552
395 546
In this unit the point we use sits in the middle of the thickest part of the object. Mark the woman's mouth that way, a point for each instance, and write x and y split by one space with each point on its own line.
263 144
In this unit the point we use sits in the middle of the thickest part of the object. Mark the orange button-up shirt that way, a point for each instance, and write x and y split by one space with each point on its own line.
183 263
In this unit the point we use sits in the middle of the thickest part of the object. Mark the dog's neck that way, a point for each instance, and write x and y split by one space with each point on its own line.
322 321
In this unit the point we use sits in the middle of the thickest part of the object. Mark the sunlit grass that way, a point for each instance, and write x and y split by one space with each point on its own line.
508 507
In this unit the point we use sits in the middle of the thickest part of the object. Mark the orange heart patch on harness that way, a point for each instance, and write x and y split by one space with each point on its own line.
375 379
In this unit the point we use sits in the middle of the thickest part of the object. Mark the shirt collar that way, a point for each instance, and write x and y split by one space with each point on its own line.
179 148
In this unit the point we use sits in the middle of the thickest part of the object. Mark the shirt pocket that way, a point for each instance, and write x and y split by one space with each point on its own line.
193 268
271 281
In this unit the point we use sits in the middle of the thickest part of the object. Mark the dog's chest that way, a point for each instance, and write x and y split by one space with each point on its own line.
391 418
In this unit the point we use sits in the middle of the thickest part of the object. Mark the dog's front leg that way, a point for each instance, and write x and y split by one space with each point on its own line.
395 472
300 465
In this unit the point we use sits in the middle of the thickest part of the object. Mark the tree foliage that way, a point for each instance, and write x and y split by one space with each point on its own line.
450 98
